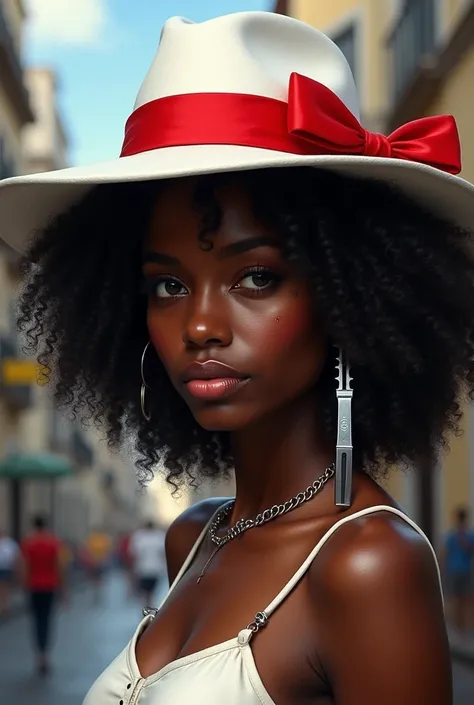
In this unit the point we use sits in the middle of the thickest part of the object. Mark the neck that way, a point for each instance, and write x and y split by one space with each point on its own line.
279 456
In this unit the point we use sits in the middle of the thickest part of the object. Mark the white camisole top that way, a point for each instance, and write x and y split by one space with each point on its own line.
224 673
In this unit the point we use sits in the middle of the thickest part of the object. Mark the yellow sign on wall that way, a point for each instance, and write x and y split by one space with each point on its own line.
16 371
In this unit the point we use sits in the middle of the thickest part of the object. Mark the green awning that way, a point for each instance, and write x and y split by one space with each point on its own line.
35 466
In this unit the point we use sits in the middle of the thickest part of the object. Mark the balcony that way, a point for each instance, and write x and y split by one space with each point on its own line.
11 72
411 44
17 376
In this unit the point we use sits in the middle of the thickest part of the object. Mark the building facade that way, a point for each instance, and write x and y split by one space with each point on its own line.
15 113
100 490
412 58
44 141
15 108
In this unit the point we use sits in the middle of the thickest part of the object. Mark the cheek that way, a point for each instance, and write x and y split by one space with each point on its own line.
294 346
293 329
164 339
288 331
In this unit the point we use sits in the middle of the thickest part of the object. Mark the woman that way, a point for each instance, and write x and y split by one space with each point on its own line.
207 315
44 577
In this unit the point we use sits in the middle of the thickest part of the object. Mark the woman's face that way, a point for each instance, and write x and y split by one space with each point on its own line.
233 325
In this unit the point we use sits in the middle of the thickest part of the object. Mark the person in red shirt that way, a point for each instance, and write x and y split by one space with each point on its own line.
43 579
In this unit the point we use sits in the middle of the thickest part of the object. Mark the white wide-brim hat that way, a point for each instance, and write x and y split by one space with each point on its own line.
251 90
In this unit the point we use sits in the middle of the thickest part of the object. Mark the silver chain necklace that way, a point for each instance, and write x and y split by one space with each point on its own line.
267 515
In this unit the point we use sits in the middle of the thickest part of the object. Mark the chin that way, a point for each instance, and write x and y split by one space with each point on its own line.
219 417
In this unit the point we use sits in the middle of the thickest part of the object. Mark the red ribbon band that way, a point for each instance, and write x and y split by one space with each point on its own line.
313 122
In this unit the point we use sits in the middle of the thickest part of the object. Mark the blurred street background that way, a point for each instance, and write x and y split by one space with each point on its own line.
88 638
69 73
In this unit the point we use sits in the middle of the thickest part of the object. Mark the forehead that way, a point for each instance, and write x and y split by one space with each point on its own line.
185 206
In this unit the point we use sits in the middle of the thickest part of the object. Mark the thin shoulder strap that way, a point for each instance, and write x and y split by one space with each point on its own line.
307 563
192 553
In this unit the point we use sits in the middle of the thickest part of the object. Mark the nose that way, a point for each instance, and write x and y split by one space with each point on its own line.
207 322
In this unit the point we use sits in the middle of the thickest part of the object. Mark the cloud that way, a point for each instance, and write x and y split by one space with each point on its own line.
72 22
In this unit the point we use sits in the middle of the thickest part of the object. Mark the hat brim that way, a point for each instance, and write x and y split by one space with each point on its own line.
29 203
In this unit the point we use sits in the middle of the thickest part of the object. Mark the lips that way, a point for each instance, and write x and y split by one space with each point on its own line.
212 380
210 370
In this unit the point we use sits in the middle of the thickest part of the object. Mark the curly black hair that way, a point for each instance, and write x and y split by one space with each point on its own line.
393 282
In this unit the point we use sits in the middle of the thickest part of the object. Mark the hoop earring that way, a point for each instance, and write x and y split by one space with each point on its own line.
344 448
144 386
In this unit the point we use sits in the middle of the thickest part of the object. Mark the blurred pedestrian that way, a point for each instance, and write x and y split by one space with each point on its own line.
147 550
459 568
43 578
125 561
9 563
97 555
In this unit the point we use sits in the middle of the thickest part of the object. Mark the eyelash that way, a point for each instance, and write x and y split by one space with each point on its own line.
274 277
150 285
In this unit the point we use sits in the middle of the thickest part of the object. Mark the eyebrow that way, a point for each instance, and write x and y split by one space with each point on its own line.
235 248
251 243
160 258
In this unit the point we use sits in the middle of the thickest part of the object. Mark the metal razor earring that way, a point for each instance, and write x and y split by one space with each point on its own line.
343 481
144 386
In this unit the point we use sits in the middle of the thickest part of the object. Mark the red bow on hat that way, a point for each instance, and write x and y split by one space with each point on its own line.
314 121
318 116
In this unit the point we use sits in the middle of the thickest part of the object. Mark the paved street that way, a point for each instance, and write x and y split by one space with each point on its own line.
88 638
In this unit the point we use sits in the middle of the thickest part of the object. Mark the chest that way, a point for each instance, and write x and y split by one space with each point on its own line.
242 579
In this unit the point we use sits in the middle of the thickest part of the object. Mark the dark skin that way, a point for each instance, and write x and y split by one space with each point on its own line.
365 626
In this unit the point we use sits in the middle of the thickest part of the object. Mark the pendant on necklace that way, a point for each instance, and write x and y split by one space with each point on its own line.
207 563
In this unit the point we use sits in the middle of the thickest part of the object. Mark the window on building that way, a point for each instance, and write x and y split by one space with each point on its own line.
346 41
413 38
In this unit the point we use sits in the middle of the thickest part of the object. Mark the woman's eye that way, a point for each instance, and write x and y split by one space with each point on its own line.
257 280
167 288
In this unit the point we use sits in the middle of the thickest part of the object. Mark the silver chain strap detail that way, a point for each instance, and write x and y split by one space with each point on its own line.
150 612
260 620
268 514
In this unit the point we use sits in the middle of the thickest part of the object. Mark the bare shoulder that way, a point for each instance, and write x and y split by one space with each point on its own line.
376 592
365 553
185 530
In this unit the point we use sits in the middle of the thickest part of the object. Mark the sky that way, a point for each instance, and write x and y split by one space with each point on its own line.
101 50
